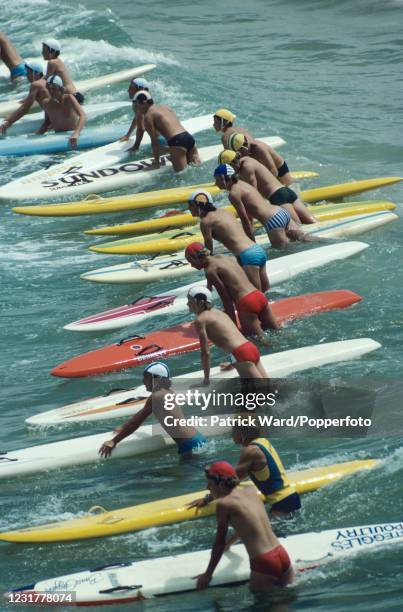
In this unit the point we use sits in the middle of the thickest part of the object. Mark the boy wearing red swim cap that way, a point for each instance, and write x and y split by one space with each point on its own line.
234 288
241 508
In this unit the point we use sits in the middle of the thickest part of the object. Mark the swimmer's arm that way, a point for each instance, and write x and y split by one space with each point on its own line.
51 68
24 107
250 177
215 280
218 549
45 125
82 117
245 462
233 539
207 236
140 131
268 162
149 126
204 350
128 428
130 130
243 216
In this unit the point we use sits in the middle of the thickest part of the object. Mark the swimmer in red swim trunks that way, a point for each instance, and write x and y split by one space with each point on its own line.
241 508
215 326
234 288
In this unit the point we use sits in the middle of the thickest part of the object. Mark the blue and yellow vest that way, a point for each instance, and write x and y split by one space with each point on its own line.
271 480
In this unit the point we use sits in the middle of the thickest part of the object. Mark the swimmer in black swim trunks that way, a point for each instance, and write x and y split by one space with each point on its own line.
162 120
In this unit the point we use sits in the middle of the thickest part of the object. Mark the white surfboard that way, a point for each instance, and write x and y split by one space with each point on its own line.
169 302
83 450
104 169
167 266
150 270
126 403
32 122
88 84
173 575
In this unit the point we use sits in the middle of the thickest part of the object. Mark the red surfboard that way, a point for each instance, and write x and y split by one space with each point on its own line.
139 350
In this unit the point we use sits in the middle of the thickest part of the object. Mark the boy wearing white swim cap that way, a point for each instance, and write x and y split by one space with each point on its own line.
34 71
161 404
215 326
136 85
51 49
63 112
162 120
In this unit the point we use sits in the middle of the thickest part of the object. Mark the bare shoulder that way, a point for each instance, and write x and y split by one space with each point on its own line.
250 452
158 396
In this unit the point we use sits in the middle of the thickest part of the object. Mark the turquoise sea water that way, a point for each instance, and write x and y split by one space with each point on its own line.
325 76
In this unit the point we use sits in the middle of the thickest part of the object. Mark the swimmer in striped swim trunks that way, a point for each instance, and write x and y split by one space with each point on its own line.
242 509
250 204
221 225
255 173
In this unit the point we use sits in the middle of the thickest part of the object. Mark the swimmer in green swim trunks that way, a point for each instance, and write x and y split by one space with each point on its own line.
219 224
11 58
157 380
163 120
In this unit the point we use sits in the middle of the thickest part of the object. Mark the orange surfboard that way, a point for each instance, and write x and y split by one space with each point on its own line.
139 350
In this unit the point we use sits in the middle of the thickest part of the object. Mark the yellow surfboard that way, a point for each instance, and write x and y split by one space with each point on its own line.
176 240
95 204
166 511
167 197
162 224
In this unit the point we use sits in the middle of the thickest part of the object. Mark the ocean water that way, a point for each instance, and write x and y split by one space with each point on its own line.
325 76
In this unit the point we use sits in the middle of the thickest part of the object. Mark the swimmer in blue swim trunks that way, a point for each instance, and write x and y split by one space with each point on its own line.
250 205
12 59
221 225
161 404
162 120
